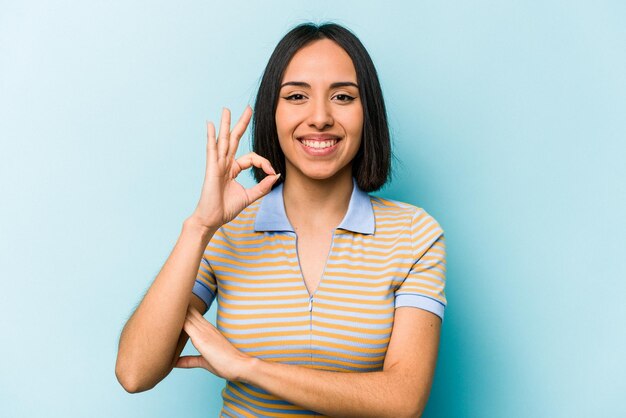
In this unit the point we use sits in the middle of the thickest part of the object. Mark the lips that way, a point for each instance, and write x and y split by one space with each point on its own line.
319 142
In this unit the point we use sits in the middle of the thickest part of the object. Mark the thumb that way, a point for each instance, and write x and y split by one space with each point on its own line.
190 362
263 188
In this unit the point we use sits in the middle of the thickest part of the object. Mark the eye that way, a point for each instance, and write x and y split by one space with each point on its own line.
344 98
295 97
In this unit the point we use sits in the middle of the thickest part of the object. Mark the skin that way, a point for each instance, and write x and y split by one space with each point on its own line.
311 107
153 337
316 195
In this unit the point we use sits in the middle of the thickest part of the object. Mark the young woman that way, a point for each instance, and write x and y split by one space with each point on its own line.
330 301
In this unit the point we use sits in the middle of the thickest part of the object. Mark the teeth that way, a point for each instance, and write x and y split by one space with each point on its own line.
319 144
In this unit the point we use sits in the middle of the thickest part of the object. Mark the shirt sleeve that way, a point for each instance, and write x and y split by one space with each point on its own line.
424 285
205 286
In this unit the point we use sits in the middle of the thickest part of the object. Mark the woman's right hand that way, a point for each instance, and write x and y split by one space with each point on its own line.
222 197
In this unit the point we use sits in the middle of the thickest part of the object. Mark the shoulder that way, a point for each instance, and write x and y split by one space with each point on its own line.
416 221
401 211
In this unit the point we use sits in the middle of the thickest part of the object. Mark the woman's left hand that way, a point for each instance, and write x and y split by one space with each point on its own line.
218 355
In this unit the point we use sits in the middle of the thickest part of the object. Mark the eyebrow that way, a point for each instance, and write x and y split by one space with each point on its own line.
332 86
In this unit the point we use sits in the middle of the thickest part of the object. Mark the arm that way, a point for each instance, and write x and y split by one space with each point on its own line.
401 389
153 337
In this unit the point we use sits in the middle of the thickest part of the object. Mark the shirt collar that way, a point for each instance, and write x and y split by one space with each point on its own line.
359 218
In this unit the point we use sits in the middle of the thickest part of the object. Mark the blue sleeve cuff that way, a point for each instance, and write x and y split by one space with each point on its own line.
422 302
203 292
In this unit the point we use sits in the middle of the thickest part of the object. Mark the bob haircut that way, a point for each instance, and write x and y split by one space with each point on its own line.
371 166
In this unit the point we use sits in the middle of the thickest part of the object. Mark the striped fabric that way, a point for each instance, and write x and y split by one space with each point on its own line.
385 254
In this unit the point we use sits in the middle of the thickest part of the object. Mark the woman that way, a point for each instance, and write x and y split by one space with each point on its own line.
314 278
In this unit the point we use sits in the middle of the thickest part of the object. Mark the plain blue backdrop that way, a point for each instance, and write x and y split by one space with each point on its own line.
509 123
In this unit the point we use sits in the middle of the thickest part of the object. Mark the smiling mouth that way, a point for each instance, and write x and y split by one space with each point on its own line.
318 144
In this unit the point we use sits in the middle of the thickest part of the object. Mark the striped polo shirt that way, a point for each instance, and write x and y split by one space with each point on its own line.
384 255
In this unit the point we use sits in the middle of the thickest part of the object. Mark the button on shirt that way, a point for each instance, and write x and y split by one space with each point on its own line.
385 254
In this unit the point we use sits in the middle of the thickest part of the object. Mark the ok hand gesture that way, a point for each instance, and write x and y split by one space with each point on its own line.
222 197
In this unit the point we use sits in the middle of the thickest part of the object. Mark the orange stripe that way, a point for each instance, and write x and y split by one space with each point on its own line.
400 266
414 289
431 285
359 275
244 388
317 361
272 343
363 252
284 333
383 321
261 404
355 310
223 324
234 226
382 331
429 270
261 353
248 257
256 265
219 269
263 281
343 337
372 293
370 283
261 306
266 240
369 240
259 316
263 239
366 258
352 348
260 289
353 300
234 406
226 296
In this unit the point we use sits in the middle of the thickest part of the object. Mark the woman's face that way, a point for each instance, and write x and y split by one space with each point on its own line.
319 116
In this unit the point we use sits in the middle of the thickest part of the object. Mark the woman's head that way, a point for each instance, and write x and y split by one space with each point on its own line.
372 157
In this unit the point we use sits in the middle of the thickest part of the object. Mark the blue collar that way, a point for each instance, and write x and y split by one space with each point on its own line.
272 216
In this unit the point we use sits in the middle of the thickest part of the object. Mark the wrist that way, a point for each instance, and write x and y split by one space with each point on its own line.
191 226
248 369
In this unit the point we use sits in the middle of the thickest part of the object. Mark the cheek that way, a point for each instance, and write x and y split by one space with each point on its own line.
284 121
354 121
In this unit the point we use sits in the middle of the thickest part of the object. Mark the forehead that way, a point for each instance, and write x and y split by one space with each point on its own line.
320 61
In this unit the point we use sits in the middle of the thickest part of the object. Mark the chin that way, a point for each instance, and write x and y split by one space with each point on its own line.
322 175
322 172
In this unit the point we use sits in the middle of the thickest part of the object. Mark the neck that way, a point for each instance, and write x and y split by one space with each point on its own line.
317 204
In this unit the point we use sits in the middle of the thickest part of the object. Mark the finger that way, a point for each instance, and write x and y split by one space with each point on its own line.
192 310
191 328
211 146
196 323
195 316
238 131
222 138
262 188
254 159
190 362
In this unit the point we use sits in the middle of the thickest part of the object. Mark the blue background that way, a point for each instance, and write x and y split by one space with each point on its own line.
509 122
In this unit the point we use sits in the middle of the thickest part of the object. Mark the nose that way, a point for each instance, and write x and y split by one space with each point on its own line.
321 115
